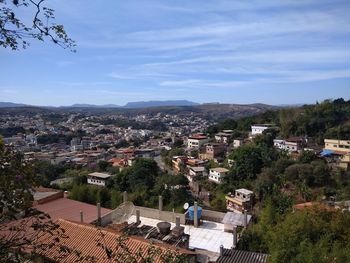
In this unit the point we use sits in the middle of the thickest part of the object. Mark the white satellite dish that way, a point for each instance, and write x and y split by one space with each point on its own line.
122 213
186 206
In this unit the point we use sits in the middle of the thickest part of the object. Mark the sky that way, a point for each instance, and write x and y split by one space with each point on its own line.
274 52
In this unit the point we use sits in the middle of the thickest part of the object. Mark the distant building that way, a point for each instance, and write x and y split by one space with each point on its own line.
212 151
337 152
119 162
217 174
224 136
260 128
337 145
98 178
196 141
295 144
238 143
179 164
195 172
145 153
242 200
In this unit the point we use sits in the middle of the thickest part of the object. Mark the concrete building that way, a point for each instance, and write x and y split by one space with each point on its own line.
337 152
196 141
179 164
195 172
224 136
295 144
217 174
337 145
237 143
260 128
241 201
98 178
212 151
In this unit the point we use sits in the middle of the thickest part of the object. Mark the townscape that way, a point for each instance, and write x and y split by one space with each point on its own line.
211 181
174 131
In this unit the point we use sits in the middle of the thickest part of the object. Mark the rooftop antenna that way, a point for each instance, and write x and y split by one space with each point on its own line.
122 213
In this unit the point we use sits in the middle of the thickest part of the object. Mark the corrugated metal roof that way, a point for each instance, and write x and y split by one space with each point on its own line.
241 256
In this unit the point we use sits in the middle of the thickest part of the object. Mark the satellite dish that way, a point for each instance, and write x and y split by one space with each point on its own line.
186 206
122 213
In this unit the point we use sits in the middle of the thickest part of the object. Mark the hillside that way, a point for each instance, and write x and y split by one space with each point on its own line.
327 119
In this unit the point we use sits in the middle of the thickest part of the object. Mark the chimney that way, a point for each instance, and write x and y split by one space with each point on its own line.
138 221
81 217
221 250
234 236
65 194
125 196
245 220
195 218
160 200
177 221
98 214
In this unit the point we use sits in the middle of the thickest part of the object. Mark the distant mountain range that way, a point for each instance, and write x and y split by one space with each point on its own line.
11 105
129 105
157 103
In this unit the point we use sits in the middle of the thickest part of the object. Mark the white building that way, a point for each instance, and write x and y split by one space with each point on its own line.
217 174
197 141
260 128
290 145
237 143
98 178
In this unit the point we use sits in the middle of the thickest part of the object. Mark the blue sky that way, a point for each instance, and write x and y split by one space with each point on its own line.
275 52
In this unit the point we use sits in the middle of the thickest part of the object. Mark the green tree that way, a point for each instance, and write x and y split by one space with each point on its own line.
247 161
15 32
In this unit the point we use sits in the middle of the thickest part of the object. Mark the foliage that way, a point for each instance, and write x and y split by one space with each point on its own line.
15 31
11 131
329 119
311 235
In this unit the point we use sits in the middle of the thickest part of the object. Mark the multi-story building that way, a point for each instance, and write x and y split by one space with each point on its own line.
217 174
224 136
196 140
195 172
179 164
260 128
295 144
212 151
337 145
242 200
338 151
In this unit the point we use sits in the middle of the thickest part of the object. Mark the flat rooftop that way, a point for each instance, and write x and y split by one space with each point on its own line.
100 175
208 236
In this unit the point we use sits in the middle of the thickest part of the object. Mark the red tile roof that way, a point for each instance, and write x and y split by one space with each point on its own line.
83 239
70 209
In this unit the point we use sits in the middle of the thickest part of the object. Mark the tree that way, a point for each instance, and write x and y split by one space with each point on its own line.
247 161
20 224
15 31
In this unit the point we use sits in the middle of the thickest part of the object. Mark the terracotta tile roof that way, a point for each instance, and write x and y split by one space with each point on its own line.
83 239
198 137
70 209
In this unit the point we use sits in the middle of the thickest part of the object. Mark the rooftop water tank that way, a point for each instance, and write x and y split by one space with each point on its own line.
191 212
